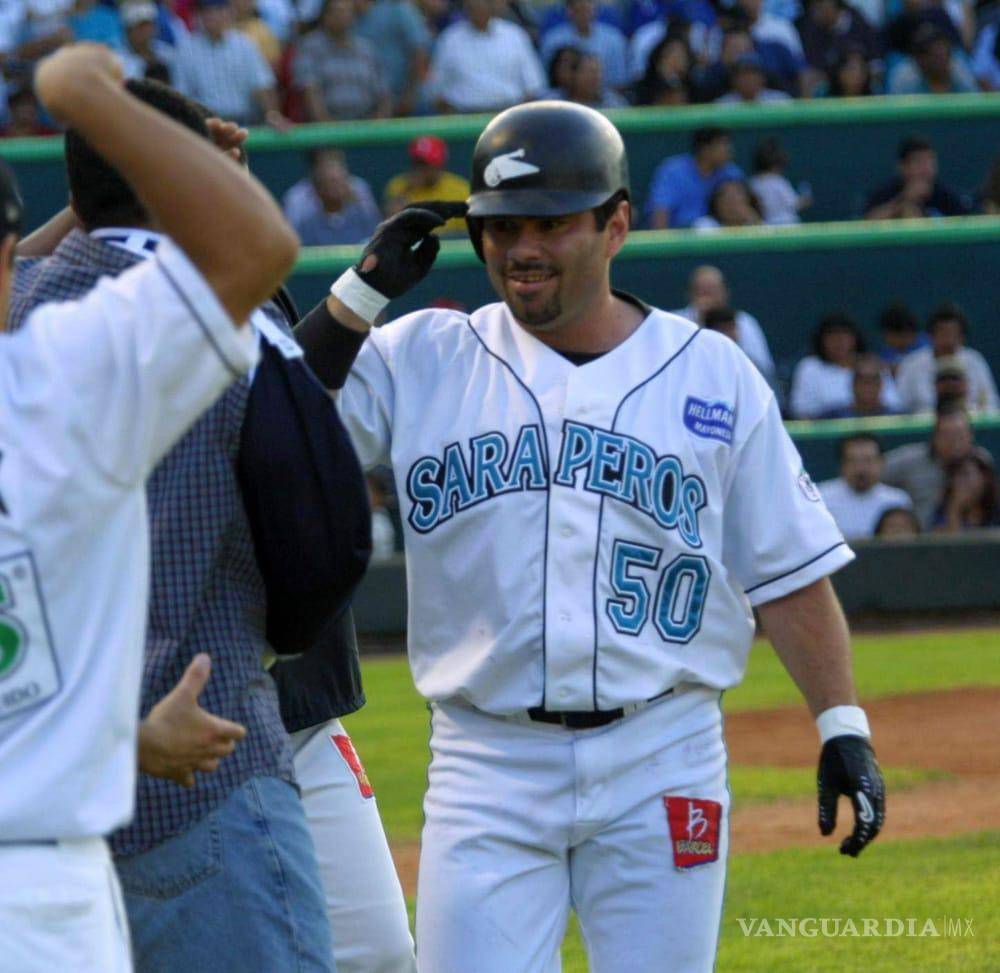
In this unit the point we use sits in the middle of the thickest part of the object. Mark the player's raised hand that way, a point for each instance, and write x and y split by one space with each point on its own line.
227 136
178 737
847 765
402 249
73 71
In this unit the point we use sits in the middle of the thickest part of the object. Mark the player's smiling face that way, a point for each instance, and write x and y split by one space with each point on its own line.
550 270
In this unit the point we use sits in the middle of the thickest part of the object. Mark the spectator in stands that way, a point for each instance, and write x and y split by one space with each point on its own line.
866 389
667 67
778 200
561 69
986 57
934 68
398 35
897 523
97 23
222 68
337 71
856 498
39 27
850 76
484 63
707 291
23 115
587 85
824 380
247 19
146 55
901 31
919 468
971 496
331 206
731 204
990 197
682 184
427 179
829 29
777 43
901 334
748 84
648 21
947 330
583 31
915 190
951 383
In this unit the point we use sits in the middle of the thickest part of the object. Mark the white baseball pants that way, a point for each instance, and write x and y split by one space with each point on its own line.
61 909
524 821
371 930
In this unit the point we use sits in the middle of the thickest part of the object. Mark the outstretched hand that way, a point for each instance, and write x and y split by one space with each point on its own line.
178 737
228 137
847 765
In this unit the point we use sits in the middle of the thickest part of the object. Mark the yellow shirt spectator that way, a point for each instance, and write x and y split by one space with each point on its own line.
427 180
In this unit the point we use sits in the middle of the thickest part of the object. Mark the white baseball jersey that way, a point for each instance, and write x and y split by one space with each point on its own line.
93 393
588 536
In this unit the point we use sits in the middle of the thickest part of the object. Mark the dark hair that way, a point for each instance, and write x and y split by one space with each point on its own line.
713 200
948 311
914 521
769 154
717 316
566 51
706 135
101 197
910 145
989 500
603 212
897 317
858 437
834 86
837 321
652 83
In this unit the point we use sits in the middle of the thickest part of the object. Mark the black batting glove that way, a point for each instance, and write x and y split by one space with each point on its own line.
403 247
847 765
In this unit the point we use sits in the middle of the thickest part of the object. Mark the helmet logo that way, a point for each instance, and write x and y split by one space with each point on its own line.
506 166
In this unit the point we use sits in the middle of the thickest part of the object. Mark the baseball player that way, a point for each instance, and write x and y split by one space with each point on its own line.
596 494
94 393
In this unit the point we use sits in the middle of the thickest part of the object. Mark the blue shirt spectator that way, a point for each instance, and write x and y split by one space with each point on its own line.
91 21
933 69
986 58
402 44
584 31
330 206
682 184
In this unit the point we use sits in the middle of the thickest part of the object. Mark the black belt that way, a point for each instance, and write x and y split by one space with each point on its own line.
586 719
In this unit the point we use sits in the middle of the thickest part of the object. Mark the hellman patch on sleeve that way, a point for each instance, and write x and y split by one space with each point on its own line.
710 420
694 830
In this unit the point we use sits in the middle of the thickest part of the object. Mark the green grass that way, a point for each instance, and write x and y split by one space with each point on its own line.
392 730
956 877
927 879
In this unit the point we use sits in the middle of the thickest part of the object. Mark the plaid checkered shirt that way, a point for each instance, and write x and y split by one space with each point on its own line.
206 594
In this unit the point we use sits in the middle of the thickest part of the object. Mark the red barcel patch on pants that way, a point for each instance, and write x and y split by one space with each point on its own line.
343 743
694 830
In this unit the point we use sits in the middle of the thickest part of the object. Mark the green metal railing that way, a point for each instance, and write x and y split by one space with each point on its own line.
652 244
839 111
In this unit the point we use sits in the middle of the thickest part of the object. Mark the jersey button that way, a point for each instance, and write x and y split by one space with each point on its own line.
566 531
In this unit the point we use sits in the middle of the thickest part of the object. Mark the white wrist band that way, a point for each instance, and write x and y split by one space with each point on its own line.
361 298
842 721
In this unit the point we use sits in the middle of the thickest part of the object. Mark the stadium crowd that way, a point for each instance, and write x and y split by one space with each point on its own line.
287 61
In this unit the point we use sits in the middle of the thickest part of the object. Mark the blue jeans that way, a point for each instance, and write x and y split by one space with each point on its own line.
238 893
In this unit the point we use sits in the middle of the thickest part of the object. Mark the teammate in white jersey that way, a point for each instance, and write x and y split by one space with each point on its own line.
595 495
94 392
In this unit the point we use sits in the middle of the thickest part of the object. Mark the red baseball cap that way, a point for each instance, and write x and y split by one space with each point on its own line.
430 150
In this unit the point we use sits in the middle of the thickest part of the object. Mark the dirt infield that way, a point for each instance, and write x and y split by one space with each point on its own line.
952 731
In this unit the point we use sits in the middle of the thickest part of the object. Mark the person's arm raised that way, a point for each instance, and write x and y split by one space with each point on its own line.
223 219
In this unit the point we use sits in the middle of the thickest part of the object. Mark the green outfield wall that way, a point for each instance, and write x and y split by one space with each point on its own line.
842 147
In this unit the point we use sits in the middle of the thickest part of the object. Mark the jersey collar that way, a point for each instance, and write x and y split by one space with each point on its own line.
142 243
